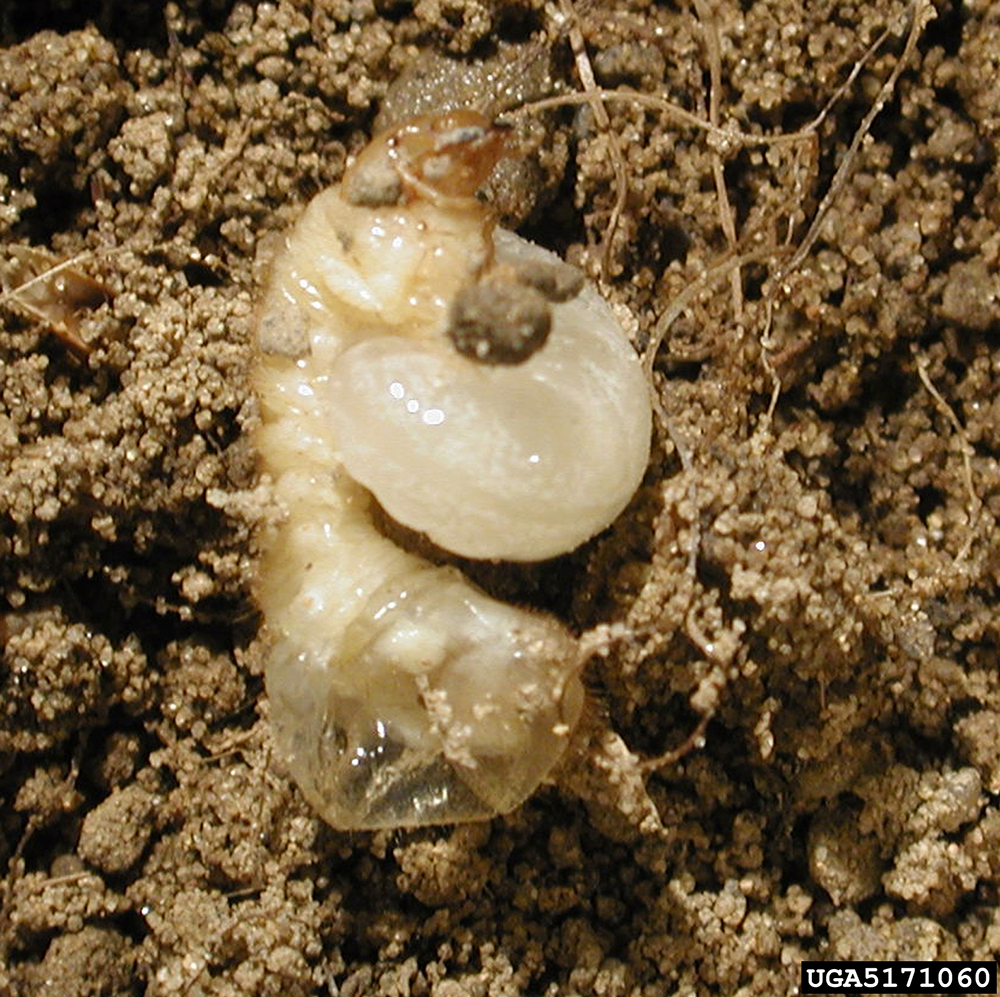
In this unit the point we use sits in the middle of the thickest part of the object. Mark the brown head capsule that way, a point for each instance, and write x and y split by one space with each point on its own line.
434 156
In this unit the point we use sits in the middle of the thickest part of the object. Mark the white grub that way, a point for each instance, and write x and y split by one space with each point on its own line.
401 694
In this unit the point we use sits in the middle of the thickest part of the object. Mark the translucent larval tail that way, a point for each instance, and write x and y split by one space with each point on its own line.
429 702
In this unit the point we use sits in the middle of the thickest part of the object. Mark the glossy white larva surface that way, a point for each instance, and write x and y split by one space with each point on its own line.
516 462
400 693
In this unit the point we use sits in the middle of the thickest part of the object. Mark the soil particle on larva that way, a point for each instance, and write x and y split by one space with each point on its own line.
818 578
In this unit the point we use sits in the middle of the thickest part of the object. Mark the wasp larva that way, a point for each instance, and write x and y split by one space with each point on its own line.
483 394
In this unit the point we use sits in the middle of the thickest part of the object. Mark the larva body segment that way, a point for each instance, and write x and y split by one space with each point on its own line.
401 694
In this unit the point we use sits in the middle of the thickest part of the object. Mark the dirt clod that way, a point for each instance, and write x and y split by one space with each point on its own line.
499 321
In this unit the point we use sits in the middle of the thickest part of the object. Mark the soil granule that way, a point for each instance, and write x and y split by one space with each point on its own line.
792 745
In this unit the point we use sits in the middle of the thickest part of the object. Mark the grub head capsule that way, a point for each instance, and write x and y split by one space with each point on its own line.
433 156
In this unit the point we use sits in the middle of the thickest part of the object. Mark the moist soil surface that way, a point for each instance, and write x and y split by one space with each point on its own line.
792 743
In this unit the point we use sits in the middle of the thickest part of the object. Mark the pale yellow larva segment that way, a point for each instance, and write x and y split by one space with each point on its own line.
401 694
354 272
434 704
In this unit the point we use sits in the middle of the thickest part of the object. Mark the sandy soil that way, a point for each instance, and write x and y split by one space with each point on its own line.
806 582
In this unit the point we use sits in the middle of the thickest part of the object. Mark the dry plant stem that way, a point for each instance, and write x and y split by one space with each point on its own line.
651 101
717 271
598 641
684 453
710 27
724 136
694 741
765 355
14 297
687 467
921 14
592 94
813 125
712 684
975 503
727 136
696 738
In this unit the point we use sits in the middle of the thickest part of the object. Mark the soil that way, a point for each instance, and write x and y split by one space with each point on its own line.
792 749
